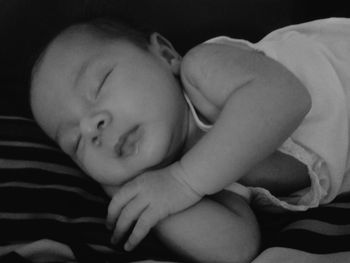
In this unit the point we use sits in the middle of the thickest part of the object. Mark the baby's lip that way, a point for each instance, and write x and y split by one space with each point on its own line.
127 144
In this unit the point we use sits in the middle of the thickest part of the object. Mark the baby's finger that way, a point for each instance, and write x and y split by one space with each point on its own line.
129 215
146 221
119 200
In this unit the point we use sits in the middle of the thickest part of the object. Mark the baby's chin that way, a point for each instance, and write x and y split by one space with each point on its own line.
107 177
114 171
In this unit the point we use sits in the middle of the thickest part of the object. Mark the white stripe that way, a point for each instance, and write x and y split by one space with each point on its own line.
72 189
52 167
56 217
16 118
46 245
338 205
44 249
9 248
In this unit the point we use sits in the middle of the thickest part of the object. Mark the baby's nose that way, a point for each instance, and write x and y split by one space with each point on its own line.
93 126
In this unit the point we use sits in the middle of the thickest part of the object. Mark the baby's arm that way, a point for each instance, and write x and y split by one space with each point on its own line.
220 229
255 103
212 232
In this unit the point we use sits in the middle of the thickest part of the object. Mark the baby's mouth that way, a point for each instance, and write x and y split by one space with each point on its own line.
128 143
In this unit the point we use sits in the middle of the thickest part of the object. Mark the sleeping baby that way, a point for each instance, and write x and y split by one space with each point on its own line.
184 145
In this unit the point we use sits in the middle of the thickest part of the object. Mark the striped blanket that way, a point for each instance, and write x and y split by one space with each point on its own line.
51 212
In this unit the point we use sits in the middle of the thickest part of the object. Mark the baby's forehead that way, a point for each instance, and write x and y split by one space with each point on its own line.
68 50
60 61
77 37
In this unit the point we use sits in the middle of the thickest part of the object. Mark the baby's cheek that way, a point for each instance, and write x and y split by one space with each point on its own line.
96 166
155 149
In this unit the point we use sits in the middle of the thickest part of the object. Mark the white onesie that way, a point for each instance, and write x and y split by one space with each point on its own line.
318 53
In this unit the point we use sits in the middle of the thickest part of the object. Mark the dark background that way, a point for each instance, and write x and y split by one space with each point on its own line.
25 25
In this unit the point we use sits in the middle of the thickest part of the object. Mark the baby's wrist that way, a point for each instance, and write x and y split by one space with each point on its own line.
179 173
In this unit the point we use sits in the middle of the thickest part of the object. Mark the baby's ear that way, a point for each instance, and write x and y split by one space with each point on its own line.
162 48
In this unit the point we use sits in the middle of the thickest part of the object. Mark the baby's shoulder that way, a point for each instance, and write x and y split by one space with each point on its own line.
209 57
211 71
213 52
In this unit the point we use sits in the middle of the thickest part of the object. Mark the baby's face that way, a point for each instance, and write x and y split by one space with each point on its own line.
116 109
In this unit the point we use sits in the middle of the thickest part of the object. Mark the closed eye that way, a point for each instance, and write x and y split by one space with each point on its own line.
102 83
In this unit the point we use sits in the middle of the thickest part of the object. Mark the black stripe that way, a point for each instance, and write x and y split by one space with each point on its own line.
275 222
34 154
333 215
23 200
12 130
312 242
43 177
344 197
14 231
13 258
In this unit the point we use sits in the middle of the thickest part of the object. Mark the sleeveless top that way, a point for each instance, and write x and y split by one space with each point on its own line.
318 53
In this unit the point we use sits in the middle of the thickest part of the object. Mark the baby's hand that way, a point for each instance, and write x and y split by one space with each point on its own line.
146 200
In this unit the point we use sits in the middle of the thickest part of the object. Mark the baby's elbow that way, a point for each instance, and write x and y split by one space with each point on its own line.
231 252
241 243
245 255
248 250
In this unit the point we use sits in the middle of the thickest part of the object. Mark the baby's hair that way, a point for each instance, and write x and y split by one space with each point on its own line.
113 29
105 28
